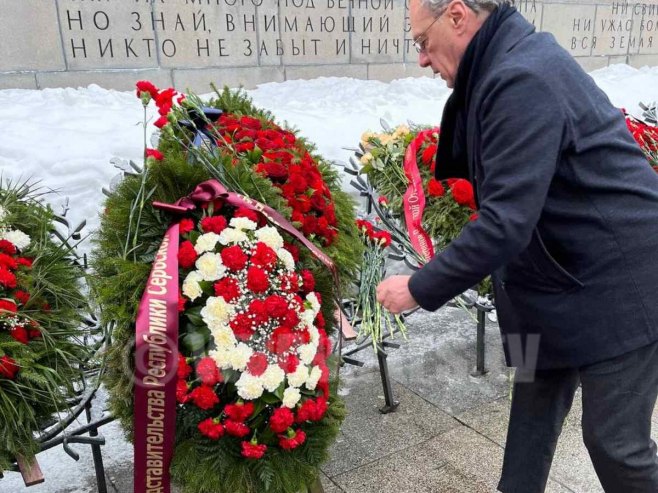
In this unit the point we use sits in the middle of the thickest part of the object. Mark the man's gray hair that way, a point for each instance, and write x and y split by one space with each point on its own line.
438 6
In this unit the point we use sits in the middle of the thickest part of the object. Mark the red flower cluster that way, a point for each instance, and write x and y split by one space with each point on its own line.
427 149
8 368
462 192
289 167
372 235
646 136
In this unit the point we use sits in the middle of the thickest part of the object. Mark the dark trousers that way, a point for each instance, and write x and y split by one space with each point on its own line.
619 396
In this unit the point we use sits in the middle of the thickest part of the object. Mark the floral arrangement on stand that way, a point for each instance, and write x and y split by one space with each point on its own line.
645 133
256 407
41 304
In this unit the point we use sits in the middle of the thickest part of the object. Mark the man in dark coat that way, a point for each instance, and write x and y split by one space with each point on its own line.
568 228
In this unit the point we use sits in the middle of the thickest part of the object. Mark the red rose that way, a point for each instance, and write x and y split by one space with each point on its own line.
155 154
184 370
8 367
20 334
8 247
7 279
211 429
236 428
253 450
239 411
8 305
277 306
181 392
257 364
242 327
257 280
186 255
207 371
435 188
214 224
8 262
289 363
429 153
462 192
282 418
234 258
263 256
204 397
228 288
290 443
280 340
308 281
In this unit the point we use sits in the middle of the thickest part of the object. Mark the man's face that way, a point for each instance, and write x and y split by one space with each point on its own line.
439 39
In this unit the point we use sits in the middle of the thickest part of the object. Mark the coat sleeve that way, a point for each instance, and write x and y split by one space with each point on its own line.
522 130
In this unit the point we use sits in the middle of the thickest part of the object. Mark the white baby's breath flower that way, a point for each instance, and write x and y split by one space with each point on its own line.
210 266
270 236
299 376
307 353
249 387
18 238
291 397
286 257
243 223
313 378
272 377
224 337
206 243
230 236
191 287
239 356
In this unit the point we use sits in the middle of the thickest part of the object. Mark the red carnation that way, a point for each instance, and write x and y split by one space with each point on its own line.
155 154
307 411
165 97
291 443
462 192
253 450
248 213
186 255
308 281
207 371
258 309
147 87
280 340
181 392
257 364
211 429
8 247
383 238
263 256
24 261
185 226
204 397
20 334
236 428
184 370
234 258
290 283
319 321
8 367
8 262
277 306
239 411
8 305
282 418
435 188
257 280
294 251
181 303
22 297
250 122
320 408
228 288
242 327
289 363
161 122
214 224
473 217
7 279
291 319
319 201
429 153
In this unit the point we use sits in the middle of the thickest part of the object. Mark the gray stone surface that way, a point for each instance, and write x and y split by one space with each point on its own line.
199 80
643 60
379 33
590 63
572 25
18 81
311 72
122 81
390 71
29 36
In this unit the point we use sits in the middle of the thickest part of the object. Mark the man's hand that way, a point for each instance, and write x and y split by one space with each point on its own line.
393 293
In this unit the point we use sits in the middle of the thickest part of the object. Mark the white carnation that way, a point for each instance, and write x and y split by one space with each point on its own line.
206 243
230 235
243 223
307 317
313 378
291 397
272 377
286 257
224 337
239 356
299 376
216 312
191 286
270 236
18 238
307 353
210 266
222 357
315 334
249 387
313 299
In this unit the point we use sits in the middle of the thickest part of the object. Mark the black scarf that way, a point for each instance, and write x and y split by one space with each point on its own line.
452 157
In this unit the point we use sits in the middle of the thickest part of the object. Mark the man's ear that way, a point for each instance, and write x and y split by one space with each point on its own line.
457 13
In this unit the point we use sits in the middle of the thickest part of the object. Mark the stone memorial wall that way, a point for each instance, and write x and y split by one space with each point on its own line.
190 43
